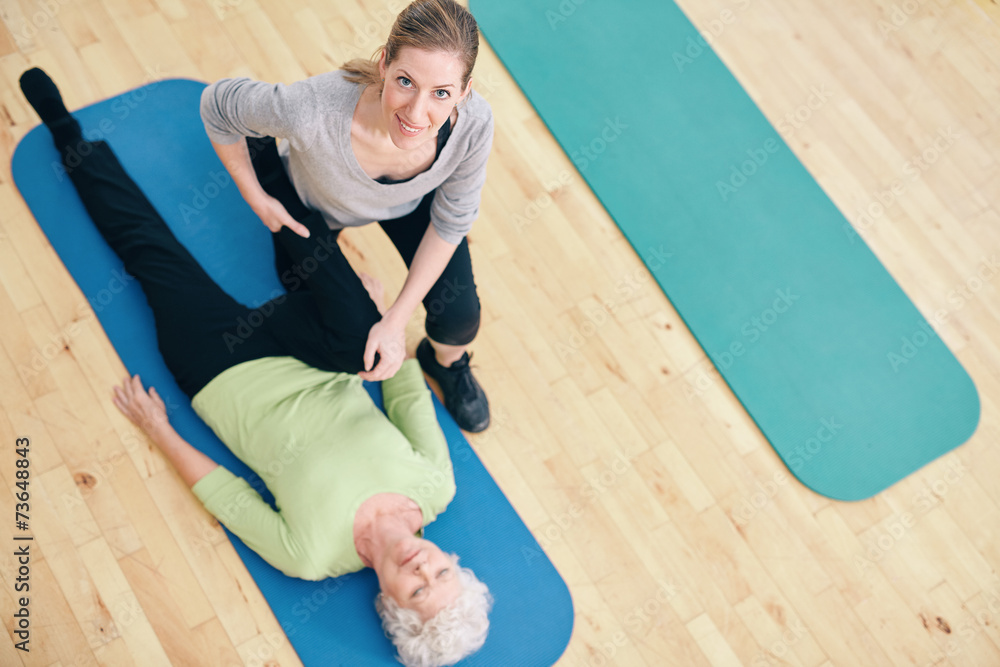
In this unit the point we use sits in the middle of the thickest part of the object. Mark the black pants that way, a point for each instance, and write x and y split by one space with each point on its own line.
452 304
201 330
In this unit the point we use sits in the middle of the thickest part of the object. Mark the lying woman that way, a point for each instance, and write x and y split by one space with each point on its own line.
354 486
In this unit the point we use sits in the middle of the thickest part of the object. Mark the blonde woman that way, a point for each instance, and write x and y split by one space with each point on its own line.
402 140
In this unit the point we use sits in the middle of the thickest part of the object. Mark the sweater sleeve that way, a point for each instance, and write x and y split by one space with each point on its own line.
241 509
456 202
409 406
235 108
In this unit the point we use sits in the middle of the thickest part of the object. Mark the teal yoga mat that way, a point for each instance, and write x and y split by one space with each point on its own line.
157 134
845 378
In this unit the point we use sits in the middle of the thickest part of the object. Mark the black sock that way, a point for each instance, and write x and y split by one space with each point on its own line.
43 95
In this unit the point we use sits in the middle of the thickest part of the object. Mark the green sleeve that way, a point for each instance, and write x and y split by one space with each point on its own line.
241 509
409 406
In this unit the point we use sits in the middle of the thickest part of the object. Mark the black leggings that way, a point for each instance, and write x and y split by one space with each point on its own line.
201 330
452 304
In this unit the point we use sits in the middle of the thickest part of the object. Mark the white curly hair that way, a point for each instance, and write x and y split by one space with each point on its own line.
456 631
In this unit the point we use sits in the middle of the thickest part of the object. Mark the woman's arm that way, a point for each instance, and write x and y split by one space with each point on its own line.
148 412
387 337
233 109
454 209
236 159
229 498
409 406
190 463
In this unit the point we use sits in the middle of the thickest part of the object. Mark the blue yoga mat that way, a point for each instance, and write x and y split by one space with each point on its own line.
845 378
157 134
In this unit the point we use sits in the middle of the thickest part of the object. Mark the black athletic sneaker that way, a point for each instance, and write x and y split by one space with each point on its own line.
463 397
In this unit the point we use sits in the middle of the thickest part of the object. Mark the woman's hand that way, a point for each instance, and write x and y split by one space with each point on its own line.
145 410
389 341
275 216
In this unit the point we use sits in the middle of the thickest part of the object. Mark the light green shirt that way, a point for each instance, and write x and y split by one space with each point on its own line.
322 447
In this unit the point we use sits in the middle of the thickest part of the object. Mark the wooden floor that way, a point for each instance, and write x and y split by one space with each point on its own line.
654 499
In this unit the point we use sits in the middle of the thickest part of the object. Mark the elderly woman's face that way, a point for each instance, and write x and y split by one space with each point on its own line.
421 89
419 576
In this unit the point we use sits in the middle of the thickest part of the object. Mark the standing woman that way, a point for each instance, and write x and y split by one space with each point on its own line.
401 139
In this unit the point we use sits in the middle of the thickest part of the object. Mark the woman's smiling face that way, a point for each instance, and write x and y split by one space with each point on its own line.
421 89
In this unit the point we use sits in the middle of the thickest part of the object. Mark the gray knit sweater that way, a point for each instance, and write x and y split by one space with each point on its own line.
314 117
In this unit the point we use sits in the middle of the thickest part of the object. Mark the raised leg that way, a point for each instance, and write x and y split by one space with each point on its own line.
317 262
197 323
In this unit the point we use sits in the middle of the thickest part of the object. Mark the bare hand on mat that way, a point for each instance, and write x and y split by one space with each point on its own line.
144 409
